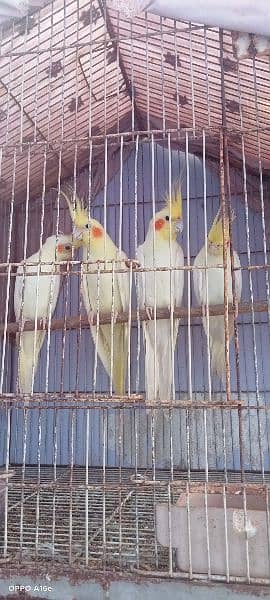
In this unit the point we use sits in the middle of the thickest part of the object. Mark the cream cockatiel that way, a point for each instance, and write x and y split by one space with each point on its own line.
39 294
104 292
165 289
214 257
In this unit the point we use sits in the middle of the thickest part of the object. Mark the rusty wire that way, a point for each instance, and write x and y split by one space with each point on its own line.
103 514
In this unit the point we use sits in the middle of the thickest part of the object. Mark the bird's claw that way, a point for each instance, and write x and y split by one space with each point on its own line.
91 316
131 262
204 310
149 312
21 324
43 322
115 315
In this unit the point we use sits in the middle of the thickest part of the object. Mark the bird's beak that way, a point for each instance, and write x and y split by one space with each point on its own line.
77 244
77 238
179 225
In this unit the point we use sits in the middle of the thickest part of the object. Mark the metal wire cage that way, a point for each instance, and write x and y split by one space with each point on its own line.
119 109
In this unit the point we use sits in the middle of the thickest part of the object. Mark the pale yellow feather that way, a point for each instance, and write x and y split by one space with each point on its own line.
102 248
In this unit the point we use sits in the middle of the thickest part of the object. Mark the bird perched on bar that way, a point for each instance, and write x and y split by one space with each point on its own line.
210 257
161 289
35 297
103 292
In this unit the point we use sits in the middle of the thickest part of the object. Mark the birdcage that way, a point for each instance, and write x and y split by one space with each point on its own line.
117 112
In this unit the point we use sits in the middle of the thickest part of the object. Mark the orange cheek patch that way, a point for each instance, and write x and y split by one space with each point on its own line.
97 232
61 248
159 224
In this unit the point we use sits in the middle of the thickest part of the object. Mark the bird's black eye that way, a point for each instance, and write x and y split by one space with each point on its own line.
68 247
87 226
167 218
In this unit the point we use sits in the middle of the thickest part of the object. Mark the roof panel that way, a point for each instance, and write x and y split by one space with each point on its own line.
78 72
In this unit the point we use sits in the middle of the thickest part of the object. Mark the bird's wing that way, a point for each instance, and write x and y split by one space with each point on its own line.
198 278
140 279
120 330
238 276
18 292
85 292
113 358
30 344
48 285
101 334
179 276
122 280
25 285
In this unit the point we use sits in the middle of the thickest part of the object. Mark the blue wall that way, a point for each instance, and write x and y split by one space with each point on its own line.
108 426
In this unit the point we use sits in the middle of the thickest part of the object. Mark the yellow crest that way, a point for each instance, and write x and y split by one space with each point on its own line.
78 212
174 202
215 235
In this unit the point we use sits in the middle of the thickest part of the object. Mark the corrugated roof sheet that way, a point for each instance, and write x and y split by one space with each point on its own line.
76 72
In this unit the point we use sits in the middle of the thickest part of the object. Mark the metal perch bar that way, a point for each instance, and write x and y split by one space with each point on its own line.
210 487
161 313
65 401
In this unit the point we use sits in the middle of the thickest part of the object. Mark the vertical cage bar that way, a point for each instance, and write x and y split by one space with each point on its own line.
8 413
10 226
71 487
222 160
188 273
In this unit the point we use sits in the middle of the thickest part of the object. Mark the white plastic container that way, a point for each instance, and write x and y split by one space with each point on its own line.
253 529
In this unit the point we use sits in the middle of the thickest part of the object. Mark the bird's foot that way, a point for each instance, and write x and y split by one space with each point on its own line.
131 262
91 317
205 309
21 324
171 309
149 312
43 322
115 315
25 404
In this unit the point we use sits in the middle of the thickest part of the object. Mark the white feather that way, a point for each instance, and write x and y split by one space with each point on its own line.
100 294
35 292
261 43
215 278
242 42
159 339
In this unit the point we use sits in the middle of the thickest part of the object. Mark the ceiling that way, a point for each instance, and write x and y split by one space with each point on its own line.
75 73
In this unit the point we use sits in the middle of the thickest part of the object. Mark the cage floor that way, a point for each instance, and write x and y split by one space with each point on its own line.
52 523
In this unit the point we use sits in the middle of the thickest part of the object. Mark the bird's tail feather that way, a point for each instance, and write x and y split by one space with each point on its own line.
120 351
159 364
217 343
26 358
218 364
151 364
120 357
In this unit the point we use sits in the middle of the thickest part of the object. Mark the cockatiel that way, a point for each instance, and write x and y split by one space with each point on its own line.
102 292
56 248
216 290
160 249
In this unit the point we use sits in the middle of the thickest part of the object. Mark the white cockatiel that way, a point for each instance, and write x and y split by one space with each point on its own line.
216 240
165 289
103 292
39 294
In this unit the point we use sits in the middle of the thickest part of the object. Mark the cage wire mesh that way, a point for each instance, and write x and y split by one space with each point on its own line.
100 467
